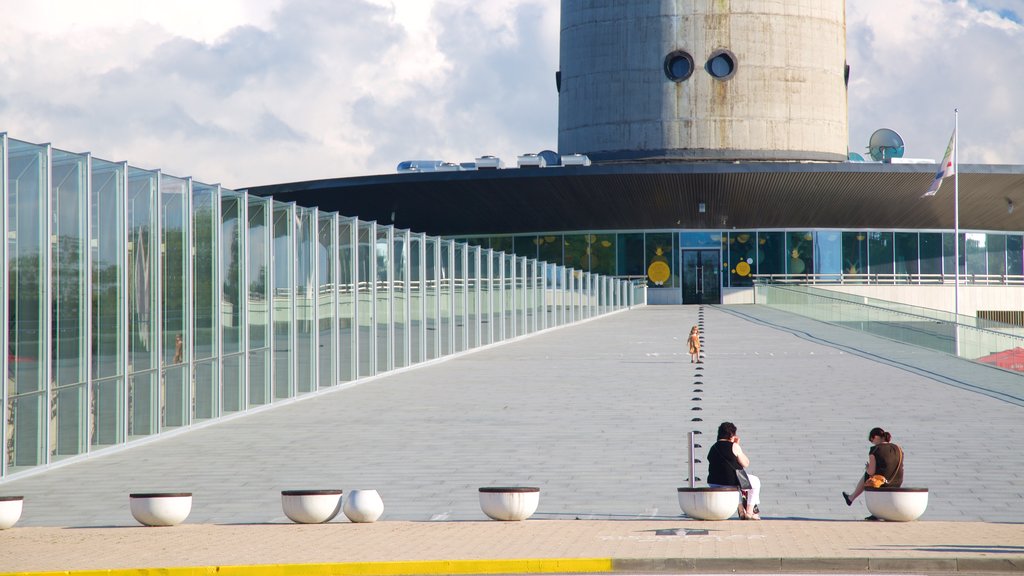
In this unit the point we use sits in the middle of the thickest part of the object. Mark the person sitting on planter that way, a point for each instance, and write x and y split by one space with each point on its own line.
726 464
884 466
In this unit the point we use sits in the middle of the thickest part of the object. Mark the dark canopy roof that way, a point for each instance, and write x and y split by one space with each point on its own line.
650 196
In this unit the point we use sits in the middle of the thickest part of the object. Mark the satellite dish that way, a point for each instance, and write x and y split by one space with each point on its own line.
854 157
885 144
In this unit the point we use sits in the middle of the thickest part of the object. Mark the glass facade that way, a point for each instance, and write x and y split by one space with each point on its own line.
136 302
819 256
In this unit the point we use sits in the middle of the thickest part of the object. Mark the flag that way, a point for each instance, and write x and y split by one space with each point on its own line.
946 169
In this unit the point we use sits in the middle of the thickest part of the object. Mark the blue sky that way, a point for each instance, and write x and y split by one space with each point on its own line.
245 92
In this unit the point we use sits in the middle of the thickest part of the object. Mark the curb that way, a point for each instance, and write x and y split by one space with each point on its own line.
576 565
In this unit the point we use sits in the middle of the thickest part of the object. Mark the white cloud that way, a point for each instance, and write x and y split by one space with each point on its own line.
250 92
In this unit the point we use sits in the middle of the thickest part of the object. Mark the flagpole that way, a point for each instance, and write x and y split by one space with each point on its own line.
956 226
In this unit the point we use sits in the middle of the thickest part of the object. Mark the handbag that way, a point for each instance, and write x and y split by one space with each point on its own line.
741 477
878 480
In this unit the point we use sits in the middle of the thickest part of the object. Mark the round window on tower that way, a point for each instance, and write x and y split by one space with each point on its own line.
721 64
678 66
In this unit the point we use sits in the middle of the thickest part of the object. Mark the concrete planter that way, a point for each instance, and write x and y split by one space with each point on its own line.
709 503
311 506
896 504
161 509
509 503
10 510
363 506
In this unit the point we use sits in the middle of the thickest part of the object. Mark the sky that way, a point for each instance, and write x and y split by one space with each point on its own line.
250 92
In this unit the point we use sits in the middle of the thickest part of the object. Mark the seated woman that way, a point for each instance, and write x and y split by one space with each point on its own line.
724 459
885 459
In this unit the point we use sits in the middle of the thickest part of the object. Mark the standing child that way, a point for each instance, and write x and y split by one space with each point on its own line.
693 342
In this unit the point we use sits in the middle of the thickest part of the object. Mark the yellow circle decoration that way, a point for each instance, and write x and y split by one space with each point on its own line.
658 272
606 244
743 269
797 266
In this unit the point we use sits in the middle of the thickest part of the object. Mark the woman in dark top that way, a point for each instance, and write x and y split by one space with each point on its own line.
884 458
724 459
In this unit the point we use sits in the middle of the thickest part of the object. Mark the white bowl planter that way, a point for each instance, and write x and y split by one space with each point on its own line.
162 508
510 502
311 506
363 506
718 503
10 510
896 504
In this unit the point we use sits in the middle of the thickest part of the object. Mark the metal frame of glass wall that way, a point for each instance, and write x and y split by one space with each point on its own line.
136 302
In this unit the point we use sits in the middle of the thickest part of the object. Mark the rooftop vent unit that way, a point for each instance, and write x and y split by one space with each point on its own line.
448 167
531 161
575 160
489 163
407 166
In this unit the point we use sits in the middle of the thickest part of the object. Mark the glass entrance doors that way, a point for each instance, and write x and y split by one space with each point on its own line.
702 282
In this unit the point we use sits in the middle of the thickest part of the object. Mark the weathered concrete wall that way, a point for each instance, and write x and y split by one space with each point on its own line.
785 101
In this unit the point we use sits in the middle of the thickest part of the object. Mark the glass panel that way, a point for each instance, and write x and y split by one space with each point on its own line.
976 253
305 291
431 271
880 253
602 254
258 258
175 399
107 412
416 326
68 212
771 253
175 395
259 376
549 248
231 273
346 301
631 255
526 246
949 254
234 381
459 289
659 260
742 258
472 296
284 286
800 251
509 300
497 296
382 297
207 390
142 404
575 251
931 253
700 240
503 243
69 410
26 234
26 429
855 252
204 271
445 295
1015 255
520 295
327 292
366 276
107 245
996 254
399 294
486 316
143 260
906 253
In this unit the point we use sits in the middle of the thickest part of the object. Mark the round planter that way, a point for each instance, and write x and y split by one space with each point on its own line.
363 506
896 504
310 506
162 508
510 502
10 510
718 503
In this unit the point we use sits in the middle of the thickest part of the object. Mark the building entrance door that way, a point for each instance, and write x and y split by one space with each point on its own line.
702 278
